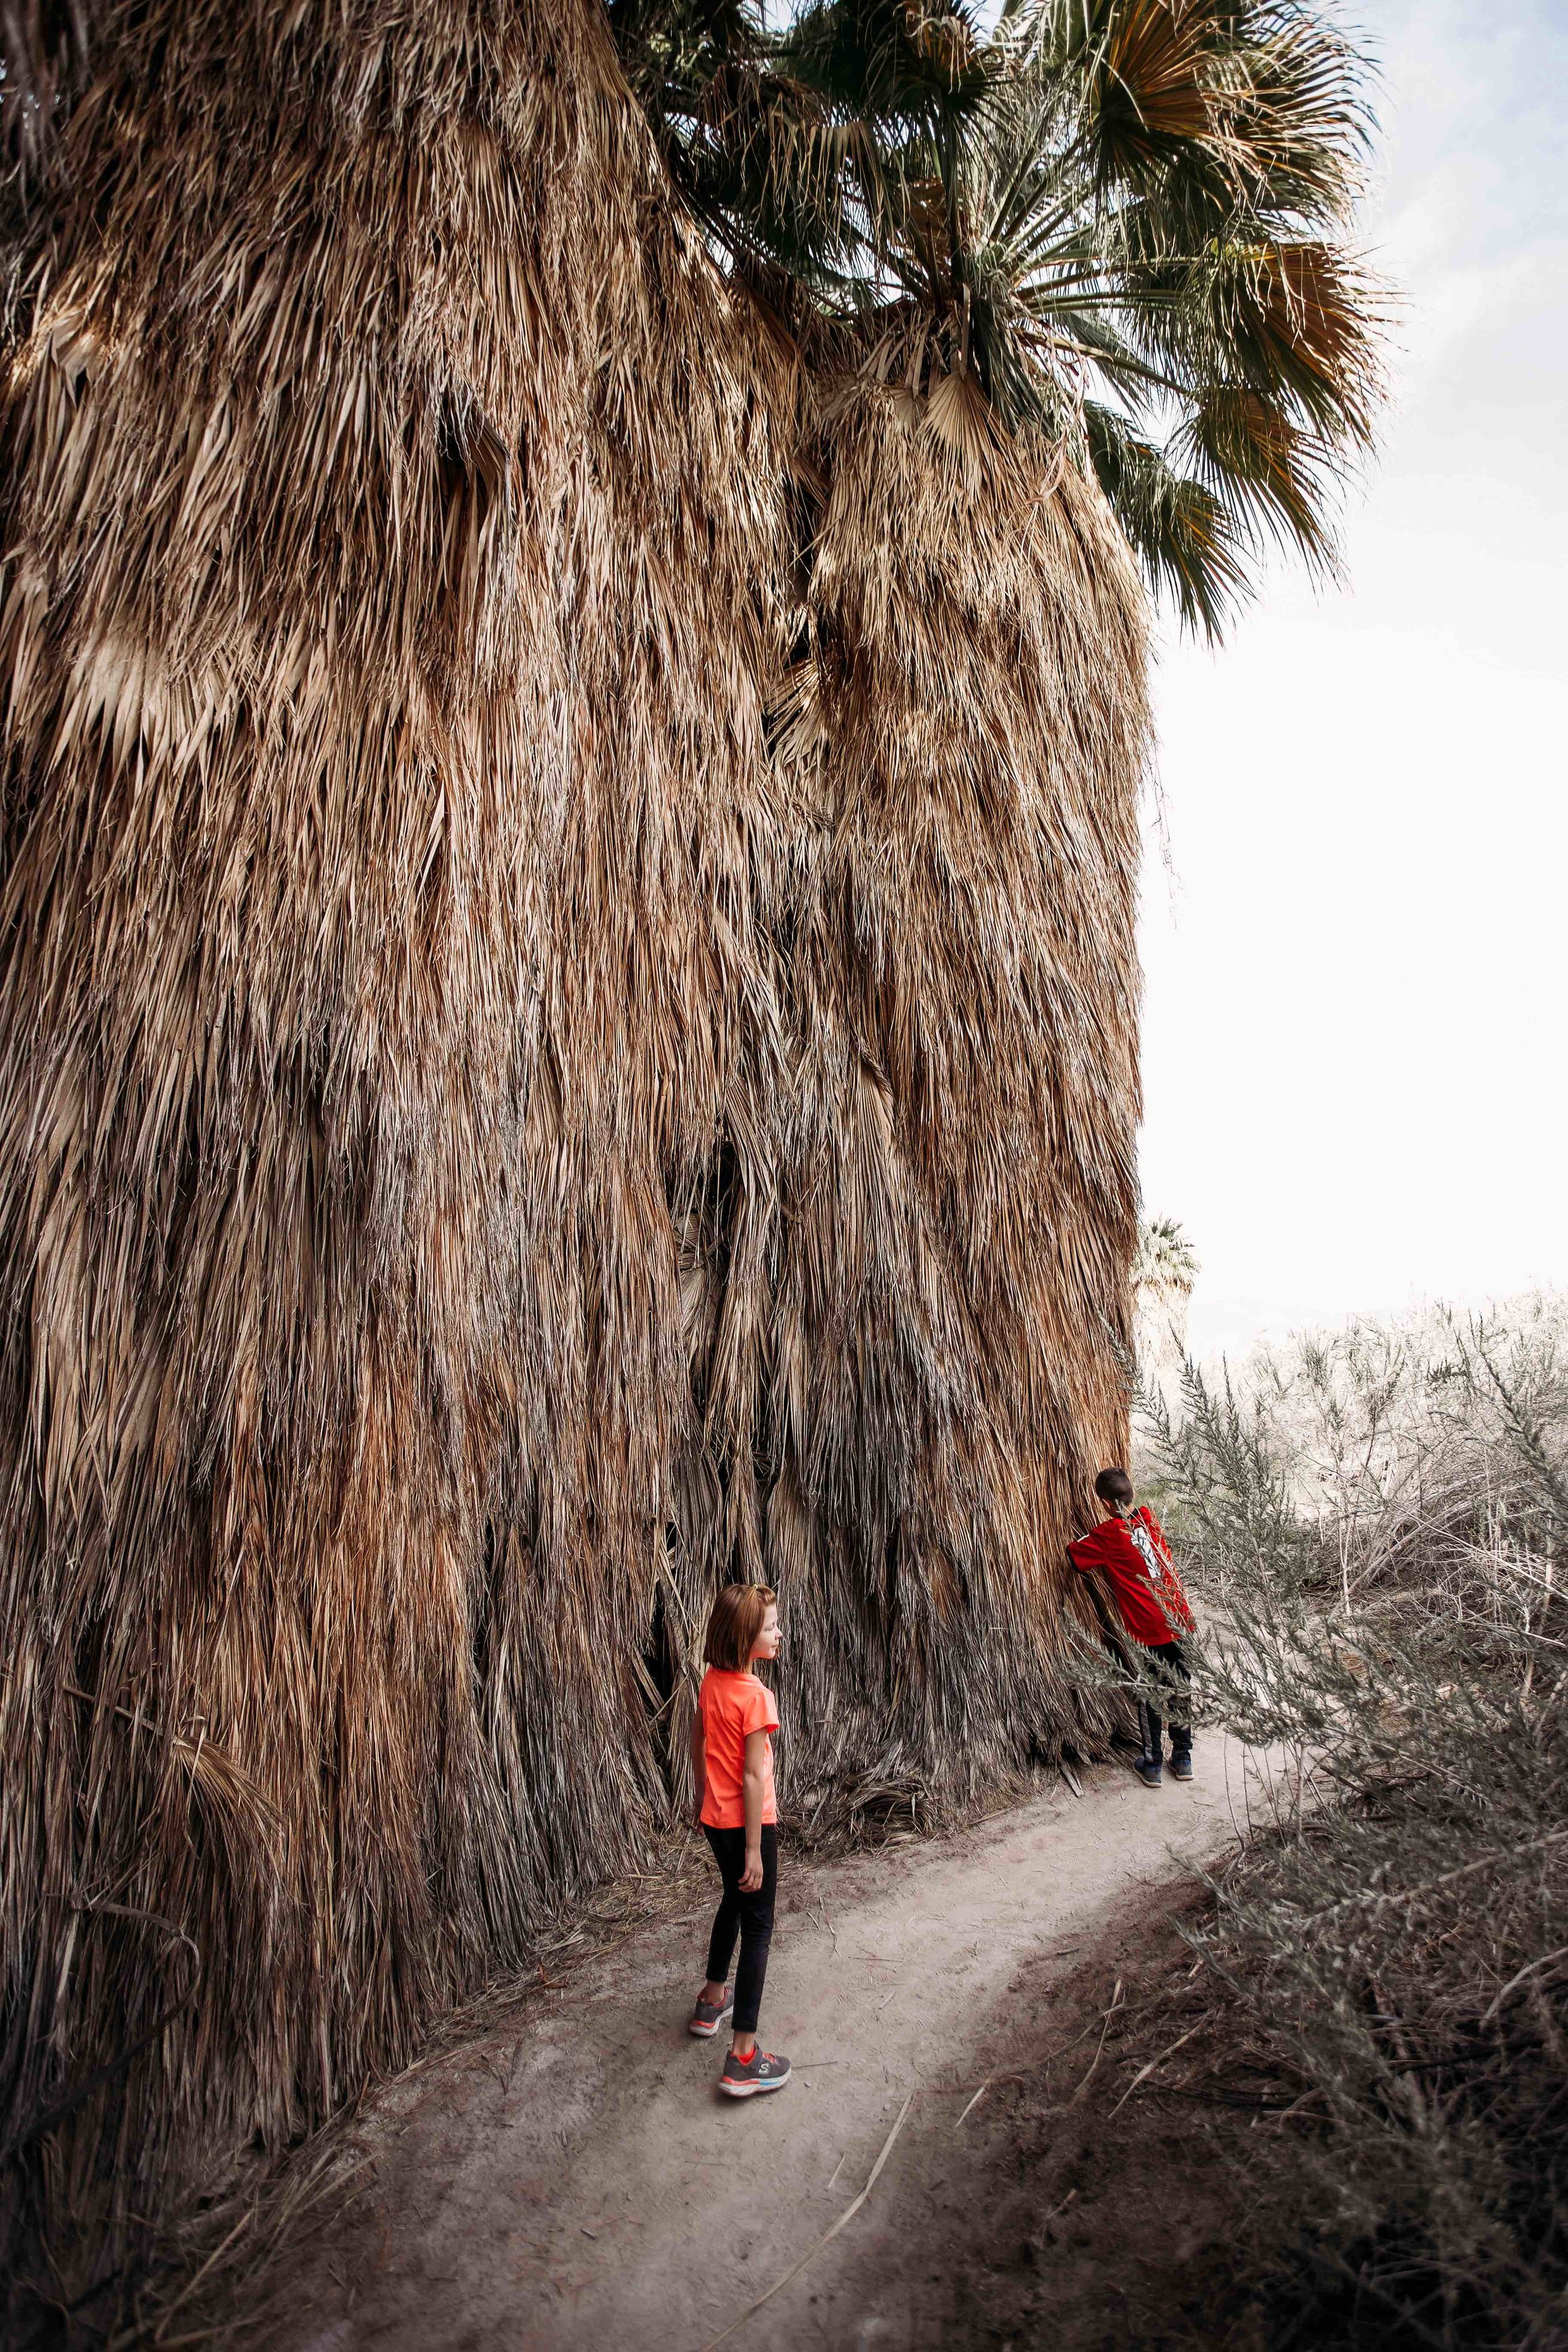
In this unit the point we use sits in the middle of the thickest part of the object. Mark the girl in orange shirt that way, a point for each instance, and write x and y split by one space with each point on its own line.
732 1768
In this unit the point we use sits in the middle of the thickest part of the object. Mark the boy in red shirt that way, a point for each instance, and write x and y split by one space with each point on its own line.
1129 1553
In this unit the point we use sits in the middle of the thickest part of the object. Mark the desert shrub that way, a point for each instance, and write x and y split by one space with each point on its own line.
1379 1523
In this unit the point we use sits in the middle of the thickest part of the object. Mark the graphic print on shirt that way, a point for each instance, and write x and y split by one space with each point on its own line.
1130 1555
1152 1560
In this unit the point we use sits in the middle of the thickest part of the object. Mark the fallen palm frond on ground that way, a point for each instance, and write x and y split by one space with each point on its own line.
1382 1984
567 1031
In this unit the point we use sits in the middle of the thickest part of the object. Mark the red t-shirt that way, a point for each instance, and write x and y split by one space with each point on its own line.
732 1707
1135 1559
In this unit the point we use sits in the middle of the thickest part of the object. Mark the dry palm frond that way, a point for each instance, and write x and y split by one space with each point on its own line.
949 1296
504 1120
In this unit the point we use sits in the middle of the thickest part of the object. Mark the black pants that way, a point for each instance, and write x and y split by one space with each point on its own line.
1167 1662
751 1914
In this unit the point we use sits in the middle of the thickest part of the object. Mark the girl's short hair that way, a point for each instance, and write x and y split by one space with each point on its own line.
736 1622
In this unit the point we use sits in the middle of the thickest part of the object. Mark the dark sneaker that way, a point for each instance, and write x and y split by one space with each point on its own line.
1148 1770
743 2077
1181 1767
709 2015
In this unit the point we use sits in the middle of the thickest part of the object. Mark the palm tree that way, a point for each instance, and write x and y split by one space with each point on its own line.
490 1141
484 1148
1164 1271
1126 221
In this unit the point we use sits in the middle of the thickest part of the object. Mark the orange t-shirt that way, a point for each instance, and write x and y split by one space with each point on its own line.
733 1706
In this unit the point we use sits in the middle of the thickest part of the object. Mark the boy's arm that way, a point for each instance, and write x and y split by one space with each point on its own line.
1095 1589
698 1765
754 1789
1110 1625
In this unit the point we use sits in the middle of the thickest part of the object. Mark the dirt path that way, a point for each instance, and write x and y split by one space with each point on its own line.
587 2187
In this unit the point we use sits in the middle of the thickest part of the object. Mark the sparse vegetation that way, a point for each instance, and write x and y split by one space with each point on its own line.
1380 1520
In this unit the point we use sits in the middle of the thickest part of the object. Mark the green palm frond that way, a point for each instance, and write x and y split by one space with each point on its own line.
1183 533
1128 218
1166 1262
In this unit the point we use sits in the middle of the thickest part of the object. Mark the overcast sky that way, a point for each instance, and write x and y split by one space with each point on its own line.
1356 976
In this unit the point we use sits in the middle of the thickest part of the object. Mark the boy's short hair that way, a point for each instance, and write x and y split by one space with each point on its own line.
735 1623
1112 1484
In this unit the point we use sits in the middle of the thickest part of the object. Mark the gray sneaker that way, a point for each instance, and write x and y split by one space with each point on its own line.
1148 1770
709 2015
743 2077
1181 1767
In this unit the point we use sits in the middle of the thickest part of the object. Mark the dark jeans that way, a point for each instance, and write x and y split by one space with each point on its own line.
751 1914
1167 1662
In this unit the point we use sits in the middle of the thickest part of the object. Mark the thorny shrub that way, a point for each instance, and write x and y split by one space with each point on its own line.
1378 1523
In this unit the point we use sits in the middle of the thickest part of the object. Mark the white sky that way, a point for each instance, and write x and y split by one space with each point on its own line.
1355 982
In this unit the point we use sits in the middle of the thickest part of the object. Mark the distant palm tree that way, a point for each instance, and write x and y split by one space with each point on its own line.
1126 221
1164 1271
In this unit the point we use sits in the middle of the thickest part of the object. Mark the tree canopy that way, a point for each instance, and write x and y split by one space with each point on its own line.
1126 221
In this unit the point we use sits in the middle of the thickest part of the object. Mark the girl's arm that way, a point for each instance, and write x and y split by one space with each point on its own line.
754 1789
698 1765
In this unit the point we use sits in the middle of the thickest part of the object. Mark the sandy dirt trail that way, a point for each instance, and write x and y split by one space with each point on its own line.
587 2187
